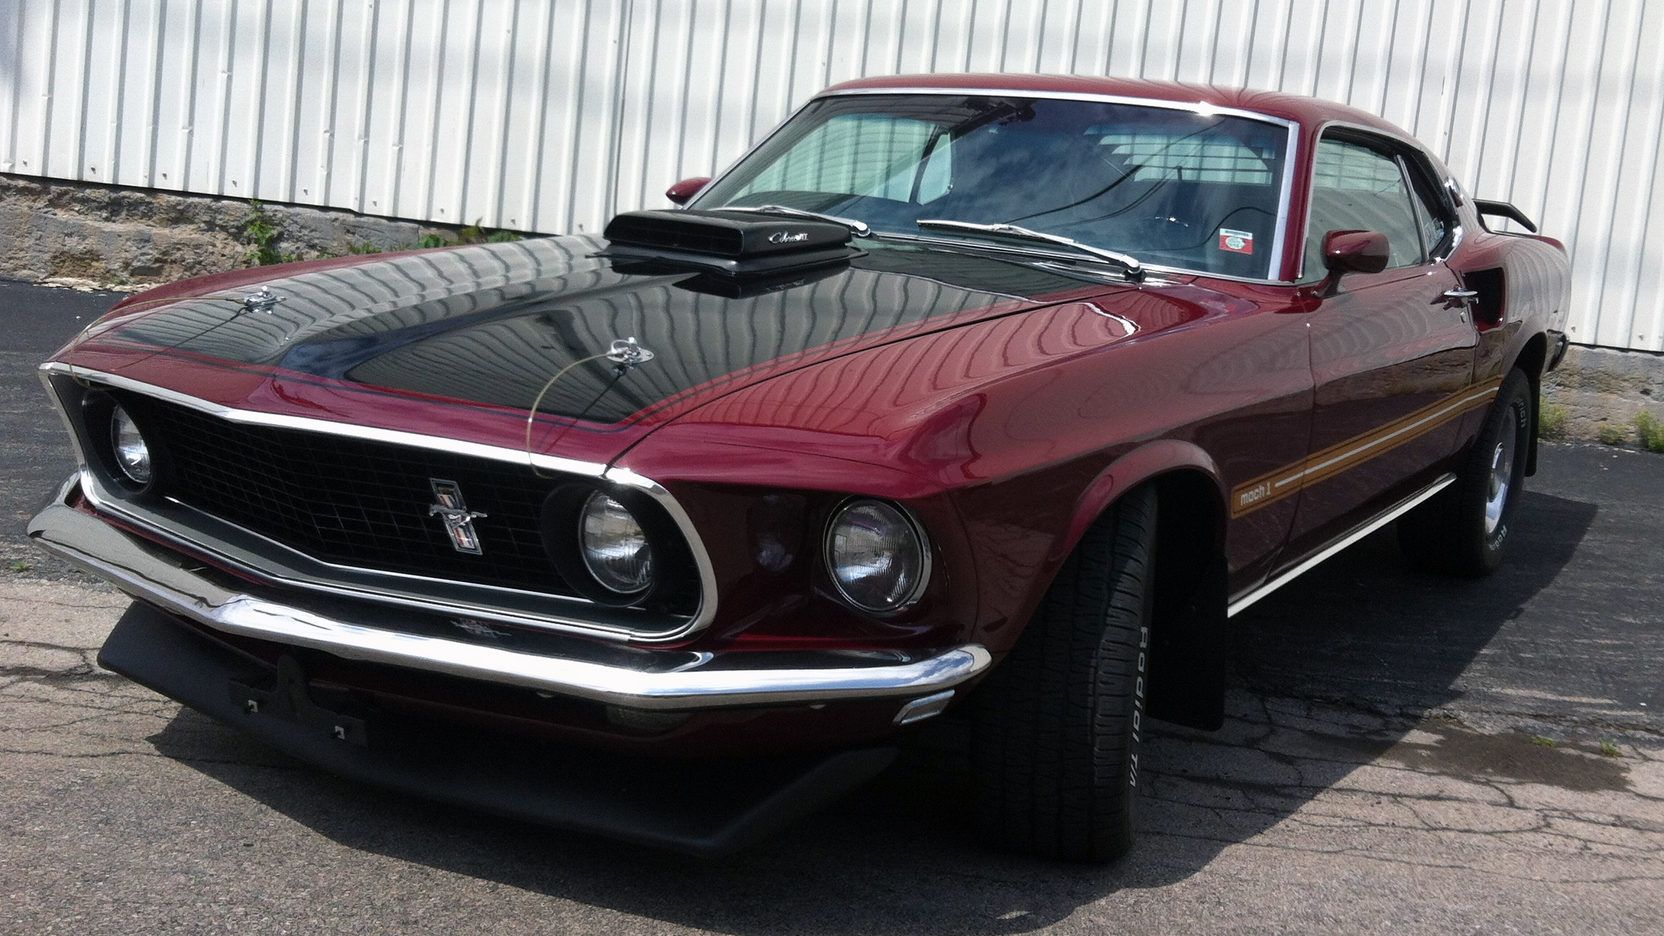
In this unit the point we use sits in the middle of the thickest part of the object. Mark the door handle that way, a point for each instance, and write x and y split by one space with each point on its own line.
1466 297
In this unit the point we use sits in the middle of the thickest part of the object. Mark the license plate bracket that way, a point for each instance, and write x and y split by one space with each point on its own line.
287 698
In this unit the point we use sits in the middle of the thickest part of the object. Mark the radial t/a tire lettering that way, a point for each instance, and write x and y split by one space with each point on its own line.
1059 722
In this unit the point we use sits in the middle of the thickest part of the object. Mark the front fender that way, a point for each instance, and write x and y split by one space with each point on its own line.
1131 469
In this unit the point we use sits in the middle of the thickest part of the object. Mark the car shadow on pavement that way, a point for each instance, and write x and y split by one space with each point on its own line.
1331 674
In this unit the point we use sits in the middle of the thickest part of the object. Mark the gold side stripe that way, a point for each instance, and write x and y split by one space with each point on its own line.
1269 488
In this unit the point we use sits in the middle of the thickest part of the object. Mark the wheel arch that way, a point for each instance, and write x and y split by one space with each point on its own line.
1531 359
1188 652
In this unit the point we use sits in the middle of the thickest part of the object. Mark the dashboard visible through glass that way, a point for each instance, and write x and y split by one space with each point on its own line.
1172 187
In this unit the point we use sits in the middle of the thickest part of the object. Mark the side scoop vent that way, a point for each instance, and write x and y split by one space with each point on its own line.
731 243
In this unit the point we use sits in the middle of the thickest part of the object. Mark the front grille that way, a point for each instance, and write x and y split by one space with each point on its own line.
354 502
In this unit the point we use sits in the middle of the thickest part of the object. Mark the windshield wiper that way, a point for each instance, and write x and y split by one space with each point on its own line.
859 228
1134 269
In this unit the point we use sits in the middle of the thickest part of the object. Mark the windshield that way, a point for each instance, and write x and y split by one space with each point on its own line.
1170 187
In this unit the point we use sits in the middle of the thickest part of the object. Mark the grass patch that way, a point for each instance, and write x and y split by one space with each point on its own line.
19 566
1541 741
1554 423
263 238
1651 432
472 234
1611 435
262 232
1610 749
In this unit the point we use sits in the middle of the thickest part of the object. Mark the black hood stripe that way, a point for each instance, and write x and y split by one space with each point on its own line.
494 323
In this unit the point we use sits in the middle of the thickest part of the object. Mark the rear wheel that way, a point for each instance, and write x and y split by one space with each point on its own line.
1058 722
1462 531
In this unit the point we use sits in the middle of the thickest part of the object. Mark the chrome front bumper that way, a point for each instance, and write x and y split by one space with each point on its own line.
662 680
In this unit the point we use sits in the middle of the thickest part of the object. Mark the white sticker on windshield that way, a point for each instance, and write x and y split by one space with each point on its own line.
1241 242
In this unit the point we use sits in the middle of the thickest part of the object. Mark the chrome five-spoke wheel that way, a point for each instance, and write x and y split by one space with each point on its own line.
1502 473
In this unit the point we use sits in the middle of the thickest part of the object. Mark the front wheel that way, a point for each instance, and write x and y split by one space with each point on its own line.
1462 531
1058 722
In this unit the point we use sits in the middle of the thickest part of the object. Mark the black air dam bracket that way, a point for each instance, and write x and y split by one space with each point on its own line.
697 808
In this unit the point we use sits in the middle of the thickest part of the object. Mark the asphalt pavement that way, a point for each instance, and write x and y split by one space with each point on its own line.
1403 753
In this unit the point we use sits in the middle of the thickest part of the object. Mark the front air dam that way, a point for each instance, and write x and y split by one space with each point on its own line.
700 808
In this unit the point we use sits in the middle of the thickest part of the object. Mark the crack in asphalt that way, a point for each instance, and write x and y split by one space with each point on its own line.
1386 859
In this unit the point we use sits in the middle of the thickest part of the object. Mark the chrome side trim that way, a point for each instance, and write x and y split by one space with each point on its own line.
1278 241
1380 520
659 680
95 492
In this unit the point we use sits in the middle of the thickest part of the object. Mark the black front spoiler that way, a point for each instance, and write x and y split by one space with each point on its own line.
703 808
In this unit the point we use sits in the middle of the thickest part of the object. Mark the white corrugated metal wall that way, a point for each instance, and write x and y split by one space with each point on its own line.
549 115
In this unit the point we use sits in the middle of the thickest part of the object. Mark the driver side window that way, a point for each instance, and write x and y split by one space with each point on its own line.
1358 188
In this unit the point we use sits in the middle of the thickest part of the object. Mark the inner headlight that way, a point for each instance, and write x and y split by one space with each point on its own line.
613 545
132 454
876 556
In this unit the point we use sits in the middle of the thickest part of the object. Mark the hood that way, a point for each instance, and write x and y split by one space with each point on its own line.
468 342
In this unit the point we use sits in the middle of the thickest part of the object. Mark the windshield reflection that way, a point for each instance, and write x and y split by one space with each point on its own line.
1167 186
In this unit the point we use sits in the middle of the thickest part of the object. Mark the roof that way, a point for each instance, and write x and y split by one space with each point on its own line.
1302 110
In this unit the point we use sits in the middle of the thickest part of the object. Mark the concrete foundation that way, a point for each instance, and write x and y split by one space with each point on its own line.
1605 389
123 238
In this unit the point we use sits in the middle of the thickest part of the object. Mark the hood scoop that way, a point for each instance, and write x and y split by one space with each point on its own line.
731 243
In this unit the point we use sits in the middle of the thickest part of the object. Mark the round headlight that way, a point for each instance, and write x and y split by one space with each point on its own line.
876 556
132 454
613 545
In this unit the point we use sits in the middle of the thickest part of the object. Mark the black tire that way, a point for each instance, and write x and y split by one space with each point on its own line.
1058 721
1462 531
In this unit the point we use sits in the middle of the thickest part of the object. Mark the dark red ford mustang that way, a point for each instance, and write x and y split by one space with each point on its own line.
988 395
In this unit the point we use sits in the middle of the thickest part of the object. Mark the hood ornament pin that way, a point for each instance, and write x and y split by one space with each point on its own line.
263 301
627 353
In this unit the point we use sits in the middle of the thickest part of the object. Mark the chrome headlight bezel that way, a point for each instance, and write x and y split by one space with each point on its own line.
920 545
98 426
674 578
125 435
603 503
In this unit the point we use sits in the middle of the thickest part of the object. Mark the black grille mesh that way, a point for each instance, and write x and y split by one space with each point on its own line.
352 501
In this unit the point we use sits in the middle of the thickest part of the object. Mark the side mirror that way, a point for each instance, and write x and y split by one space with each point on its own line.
682 192
1355 252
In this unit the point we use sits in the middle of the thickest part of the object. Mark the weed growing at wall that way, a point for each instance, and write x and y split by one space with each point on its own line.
1553 423
1651 432
1611 435
262 232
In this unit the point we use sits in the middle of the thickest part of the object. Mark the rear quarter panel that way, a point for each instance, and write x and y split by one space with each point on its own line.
1536 293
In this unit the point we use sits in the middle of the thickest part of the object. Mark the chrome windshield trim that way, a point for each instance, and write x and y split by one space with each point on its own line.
1279 239
664 680
103 499
1196 107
